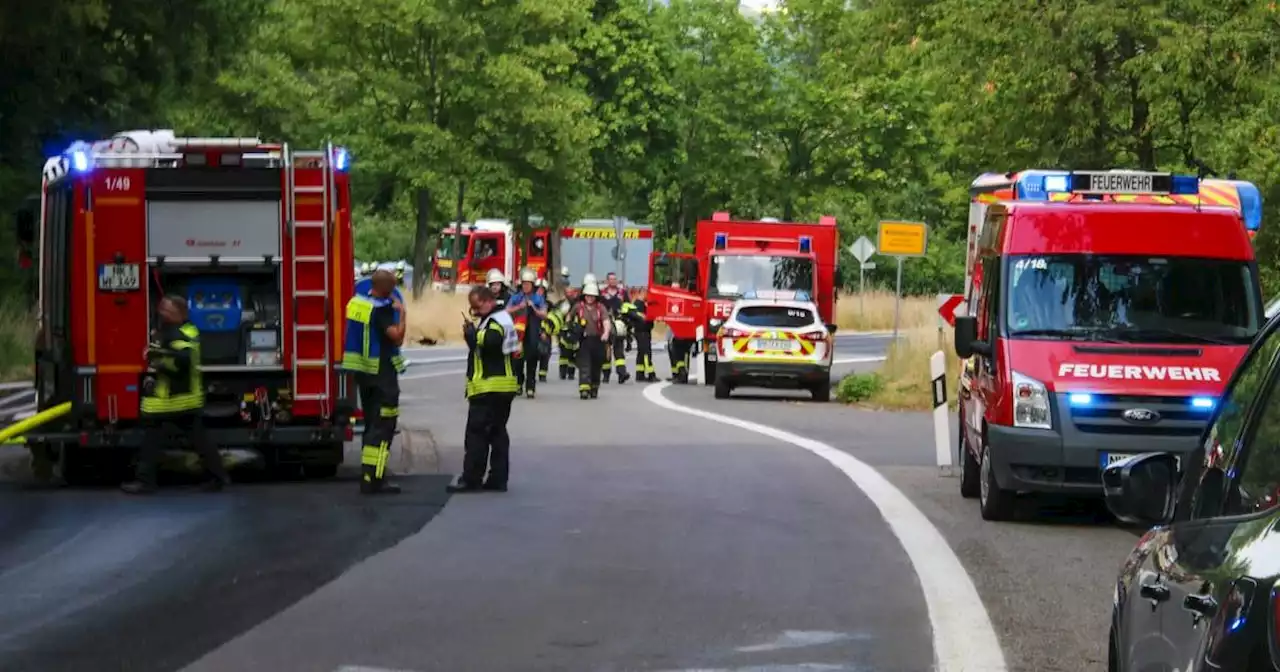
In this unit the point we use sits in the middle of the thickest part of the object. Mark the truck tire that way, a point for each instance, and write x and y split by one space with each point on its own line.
75 468
708 370
970 487
320 471
326 466
995 502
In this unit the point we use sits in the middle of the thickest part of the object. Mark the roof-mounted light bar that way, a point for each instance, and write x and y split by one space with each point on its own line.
1037 185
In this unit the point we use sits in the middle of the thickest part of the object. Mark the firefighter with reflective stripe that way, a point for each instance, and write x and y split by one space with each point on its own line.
491 387
365 287
375 330
642 328
679 351
527 309
590 319
615 298
549 326
173 398
567 340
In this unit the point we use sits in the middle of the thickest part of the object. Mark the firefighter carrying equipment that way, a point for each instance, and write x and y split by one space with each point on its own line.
528 275
495 276
177 384
490 368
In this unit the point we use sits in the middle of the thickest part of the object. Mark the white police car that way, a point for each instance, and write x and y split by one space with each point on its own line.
774 340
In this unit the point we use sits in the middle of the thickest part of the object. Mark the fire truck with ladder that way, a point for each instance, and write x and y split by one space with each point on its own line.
255 236
732 257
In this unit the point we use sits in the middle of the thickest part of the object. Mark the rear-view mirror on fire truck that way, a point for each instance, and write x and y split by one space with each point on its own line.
966 338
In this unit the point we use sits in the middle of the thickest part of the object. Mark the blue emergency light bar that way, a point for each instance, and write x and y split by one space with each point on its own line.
1250 204
1037 185
806 244
1083 399
777 294
341 160
722 240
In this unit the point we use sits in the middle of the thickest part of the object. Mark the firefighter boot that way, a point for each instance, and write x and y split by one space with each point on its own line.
595 392
564 372
623 376
584 390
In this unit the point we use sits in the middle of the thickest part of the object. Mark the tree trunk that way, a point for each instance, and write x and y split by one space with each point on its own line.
457 238
421 269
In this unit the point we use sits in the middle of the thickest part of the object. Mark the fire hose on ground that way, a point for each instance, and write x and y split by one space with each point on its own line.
14 433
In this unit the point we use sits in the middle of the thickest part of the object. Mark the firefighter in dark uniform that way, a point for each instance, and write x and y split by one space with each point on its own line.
497 283
528 304
679 350
642 327
590 320
173 398
550 326
375 331
491 387
614 298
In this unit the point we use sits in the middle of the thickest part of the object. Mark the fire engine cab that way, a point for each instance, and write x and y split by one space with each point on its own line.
1106 312
255 236
734 257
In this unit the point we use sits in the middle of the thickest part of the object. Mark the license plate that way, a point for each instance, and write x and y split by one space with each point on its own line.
773 344
1109 459
119 277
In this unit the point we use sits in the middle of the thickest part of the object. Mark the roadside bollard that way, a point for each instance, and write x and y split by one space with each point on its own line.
941 428
695 358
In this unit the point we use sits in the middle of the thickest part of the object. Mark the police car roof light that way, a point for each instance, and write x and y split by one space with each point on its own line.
722 240
806 244
1250 205
341 159
801 295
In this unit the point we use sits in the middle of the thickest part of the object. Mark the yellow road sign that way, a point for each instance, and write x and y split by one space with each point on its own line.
903 239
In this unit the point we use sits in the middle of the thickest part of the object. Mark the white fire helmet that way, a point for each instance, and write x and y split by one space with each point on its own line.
564 271
589 279
540 283
528 275
495 276
591 289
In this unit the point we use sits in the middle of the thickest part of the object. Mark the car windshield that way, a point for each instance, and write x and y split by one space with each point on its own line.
782 317
1132 299
446 246
733 275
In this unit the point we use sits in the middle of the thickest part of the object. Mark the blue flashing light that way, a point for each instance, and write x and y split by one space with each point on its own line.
1204 403
80 161
750 294
341 160
1185 185
1080 399
1036 185
806 244
1237 624
802 295
1250 205
722 240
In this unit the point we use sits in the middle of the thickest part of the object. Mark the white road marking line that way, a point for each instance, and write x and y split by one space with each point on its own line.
419 376
857 360
438 360
361 668
963 638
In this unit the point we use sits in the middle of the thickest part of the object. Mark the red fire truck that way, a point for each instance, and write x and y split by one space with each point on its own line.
1106 312
731 258
256 236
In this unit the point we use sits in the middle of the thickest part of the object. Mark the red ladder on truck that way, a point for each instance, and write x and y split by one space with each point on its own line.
309 177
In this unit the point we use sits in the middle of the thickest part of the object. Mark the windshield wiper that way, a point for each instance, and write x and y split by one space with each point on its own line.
1078 334
1148 332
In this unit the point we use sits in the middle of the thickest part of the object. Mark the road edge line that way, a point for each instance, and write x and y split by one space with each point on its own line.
963 638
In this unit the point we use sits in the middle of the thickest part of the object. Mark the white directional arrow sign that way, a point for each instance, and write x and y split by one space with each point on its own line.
862 249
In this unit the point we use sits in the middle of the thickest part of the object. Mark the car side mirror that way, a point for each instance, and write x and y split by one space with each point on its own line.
966 338
1142 489
831 328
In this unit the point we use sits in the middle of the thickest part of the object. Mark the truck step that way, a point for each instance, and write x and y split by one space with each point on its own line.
310 397
310 258
308 190
310 292
312 327
308 225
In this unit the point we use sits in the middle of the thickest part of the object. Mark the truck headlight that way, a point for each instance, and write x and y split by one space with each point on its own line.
1030 403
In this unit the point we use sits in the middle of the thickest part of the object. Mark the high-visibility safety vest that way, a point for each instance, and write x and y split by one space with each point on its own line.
365 288
490 372
361 348
174 393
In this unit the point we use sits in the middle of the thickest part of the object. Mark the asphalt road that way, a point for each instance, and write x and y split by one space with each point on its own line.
634 537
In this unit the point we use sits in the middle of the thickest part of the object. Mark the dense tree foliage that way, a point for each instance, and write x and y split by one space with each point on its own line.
665 111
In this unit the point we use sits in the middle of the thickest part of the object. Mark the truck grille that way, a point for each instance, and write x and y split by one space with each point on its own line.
1105 415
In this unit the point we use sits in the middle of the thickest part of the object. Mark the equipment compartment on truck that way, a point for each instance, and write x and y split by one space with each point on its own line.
256 237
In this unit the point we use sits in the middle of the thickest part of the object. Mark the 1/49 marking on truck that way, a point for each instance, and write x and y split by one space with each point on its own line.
117 183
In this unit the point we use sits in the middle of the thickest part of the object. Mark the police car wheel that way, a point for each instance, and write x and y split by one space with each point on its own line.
723 388
821 391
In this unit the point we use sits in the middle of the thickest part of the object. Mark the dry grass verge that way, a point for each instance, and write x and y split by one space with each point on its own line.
904 381
436 316
873 311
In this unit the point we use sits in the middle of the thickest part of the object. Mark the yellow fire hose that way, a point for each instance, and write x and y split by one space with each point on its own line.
13 433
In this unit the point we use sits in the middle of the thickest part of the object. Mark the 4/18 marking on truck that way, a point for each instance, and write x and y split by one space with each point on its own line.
1126 372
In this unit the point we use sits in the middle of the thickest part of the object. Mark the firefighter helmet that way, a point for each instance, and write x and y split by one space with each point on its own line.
540 283
589 279
591 289
564 271
528 275
495 276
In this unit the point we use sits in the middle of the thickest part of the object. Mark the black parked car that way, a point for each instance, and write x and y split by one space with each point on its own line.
1200 590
